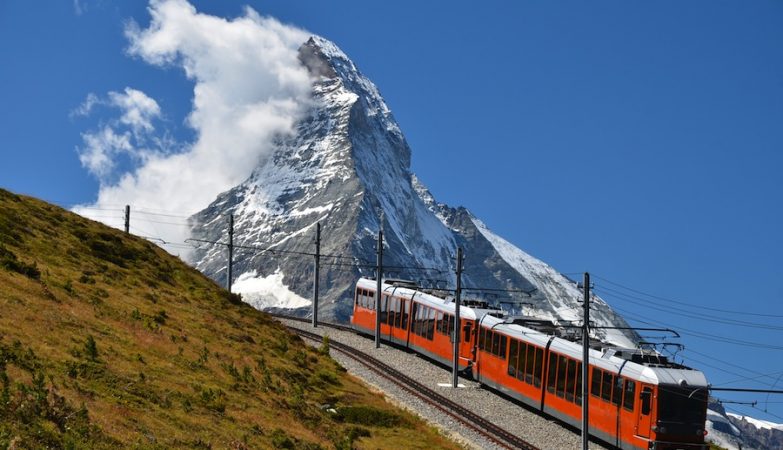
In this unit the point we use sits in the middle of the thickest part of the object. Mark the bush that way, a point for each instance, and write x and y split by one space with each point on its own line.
9 261
324 349
91 349
369 416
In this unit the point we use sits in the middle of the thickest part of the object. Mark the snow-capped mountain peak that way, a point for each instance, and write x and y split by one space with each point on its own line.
347 166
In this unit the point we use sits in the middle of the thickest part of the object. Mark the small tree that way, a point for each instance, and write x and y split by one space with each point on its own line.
324 350
91 349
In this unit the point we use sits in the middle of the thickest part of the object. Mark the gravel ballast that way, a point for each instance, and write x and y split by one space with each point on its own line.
545 433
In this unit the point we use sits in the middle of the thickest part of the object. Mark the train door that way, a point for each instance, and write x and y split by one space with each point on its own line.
465 340
644 417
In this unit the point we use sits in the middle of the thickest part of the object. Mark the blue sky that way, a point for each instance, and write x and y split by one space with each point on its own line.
642 142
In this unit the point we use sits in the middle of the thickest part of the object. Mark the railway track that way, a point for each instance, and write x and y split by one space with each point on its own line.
466 417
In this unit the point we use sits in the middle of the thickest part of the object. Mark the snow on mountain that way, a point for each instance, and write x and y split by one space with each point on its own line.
347 166
560 291
757 423
267 292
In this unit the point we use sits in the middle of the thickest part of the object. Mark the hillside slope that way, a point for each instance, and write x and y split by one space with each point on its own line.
107 341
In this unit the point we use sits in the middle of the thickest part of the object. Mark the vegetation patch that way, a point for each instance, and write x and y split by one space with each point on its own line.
9 261
369 415
33 414
93 367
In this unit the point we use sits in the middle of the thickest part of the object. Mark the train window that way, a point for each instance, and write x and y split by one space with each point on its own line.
430 323
512 357
439 322
562 366
552 373
571 380
392 309
385 309
413 317
445 324
595 387
527 363
630 393
503 345
606 386
524 357
366 300
495 343
578 393
466 331
420 320
406 309
617 390
646 398
539 367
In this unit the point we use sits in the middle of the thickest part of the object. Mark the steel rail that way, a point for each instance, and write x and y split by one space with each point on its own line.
465 416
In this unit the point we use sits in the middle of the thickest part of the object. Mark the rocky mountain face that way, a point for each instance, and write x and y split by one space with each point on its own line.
347 166
756 434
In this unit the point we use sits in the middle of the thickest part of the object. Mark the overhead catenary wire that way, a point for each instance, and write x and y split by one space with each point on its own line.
618 295
679 302
702 335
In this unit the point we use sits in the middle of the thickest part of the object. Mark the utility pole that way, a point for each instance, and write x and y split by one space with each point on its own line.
457 321
586 363
230 251
378 289
317 272
127 219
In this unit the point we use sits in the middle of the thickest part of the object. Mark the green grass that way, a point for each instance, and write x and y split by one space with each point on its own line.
107 341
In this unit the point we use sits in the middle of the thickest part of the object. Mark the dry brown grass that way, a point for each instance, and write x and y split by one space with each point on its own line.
179 364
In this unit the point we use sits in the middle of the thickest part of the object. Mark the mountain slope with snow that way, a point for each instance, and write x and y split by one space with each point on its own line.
347 166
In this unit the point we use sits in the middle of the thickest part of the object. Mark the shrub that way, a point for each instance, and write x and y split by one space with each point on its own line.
370 416
324 349
9 261
91 349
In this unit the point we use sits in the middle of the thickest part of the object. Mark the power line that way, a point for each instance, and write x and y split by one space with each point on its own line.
705 317
706 336
139 211
163 222
728 311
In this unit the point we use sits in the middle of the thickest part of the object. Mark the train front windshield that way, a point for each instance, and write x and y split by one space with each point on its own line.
685 406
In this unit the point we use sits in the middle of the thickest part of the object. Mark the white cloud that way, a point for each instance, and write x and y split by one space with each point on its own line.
101 148
249 88
118 138
138 110
86 107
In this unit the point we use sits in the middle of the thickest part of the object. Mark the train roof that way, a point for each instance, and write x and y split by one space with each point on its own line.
644 365
634 363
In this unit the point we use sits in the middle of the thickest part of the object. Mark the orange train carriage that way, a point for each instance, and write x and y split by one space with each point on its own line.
638 399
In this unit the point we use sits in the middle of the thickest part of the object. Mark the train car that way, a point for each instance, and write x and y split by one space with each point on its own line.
414 319
638 399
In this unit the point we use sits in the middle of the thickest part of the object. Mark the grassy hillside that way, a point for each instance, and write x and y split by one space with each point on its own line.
107 341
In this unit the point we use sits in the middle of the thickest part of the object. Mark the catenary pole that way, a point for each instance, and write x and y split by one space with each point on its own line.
317 272
230 251
378 289
586 363
457 321
127 219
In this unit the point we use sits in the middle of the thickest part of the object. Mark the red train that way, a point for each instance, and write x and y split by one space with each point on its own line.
638 399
